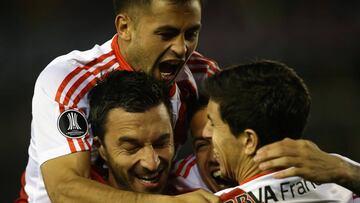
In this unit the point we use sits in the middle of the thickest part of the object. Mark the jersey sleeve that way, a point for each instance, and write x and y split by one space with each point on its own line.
57 129
346 159
201 68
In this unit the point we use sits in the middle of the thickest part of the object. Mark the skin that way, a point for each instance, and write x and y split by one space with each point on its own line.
304 158
202 145
140 146
300 157
72 183
171 36
234 153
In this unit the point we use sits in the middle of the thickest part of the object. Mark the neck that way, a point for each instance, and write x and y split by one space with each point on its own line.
246 169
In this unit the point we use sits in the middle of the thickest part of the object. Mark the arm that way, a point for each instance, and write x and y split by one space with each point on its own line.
66 180
304 158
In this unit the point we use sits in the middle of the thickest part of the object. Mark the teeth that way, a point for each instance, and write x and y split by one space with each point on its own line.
165 74
216 174
150 177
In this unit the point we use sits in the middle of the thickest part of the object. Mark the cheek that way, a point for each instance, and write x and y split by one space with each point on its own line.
220 146
217 140
192 46
124 162
201 158
166 153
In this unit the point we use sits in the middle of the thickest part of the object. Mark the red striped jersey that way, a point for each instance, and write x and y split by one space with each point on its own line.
185 176
60 106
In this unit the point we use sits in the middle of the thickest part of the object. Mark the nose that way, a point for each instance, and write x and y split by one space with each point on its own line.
179 47
207 131
150 159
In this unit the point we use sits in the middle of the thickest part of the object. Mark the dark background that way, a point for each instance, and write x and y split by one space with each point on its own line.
319 39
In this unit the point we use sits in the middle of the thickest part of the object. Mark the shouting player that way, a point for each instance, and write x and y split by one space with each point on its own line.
199 170
253 105
157 37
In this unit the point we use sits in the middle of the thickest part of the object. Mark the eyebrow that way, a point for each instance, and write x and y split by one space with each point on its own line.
174 29
163 137
195 27
134 141
128 140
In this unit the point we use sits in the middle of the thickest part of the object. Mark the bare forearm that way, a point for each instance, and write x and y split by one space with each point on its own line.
350 177
85 190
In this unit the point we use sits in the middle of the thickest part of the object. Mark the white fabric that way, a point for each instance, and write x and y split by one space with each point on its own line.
46 140
186 176
291 190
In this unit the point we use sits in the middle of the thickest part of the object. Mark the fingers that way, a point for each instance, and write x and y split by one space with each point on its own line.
281 162
275 150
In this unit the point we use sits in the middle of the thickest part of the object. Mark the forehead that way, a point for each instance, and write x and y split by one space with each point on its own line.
144 125
198 122
168 12
213 109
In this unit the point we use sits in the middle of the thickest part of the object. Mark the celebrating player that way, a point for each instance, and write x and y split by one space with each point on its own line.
157 37
130 119
199 170
253 105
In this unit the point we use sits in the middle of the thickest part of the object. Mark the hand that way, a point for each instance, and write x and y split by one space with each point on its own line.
197 196
301 158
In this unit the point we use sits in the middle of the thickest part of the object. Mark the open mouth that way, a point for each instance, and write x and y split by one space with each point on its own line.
221 181
150 180
169 69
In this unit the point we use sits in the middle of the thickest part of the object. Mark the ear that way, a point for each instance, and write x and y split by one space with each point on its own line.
250 141
122 24
101 148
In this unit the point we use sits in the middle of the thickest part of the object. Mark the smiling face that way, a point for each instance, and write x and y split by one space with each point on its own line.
161 38
138 148
228 150
208 166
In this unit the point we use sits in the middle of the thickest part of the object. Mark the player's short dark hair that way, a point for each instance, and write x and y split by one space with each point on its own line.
200 104
266 96
132 91
123 5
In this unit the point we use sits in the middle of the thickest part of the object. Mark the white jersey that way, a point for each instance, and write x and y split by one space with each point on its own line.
185 176
60 106
264 188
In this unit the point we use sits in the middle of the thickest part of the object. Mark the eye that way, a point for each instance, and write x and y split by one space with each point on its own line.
191 35
167 35
201 144
160 145
131 149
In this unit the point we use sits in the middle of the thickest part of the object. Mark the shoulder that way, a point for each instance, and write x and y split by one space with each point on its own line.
198 63
184 166
186 177
68 68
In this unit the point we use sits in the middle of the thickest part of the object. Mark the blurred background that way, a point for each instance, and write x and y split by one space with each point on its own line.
319 39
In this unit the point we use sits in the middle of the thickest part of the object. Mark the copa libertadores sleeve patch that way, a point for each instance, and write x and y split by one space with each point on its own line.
73 124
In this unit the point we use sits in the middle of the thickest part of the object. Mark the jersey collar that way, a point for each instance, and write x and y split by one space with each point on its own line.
124 65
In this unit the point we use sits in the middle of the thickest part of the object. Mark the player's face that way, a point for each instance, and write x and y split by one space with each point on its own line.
227 149
164 38
208 166
138 148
